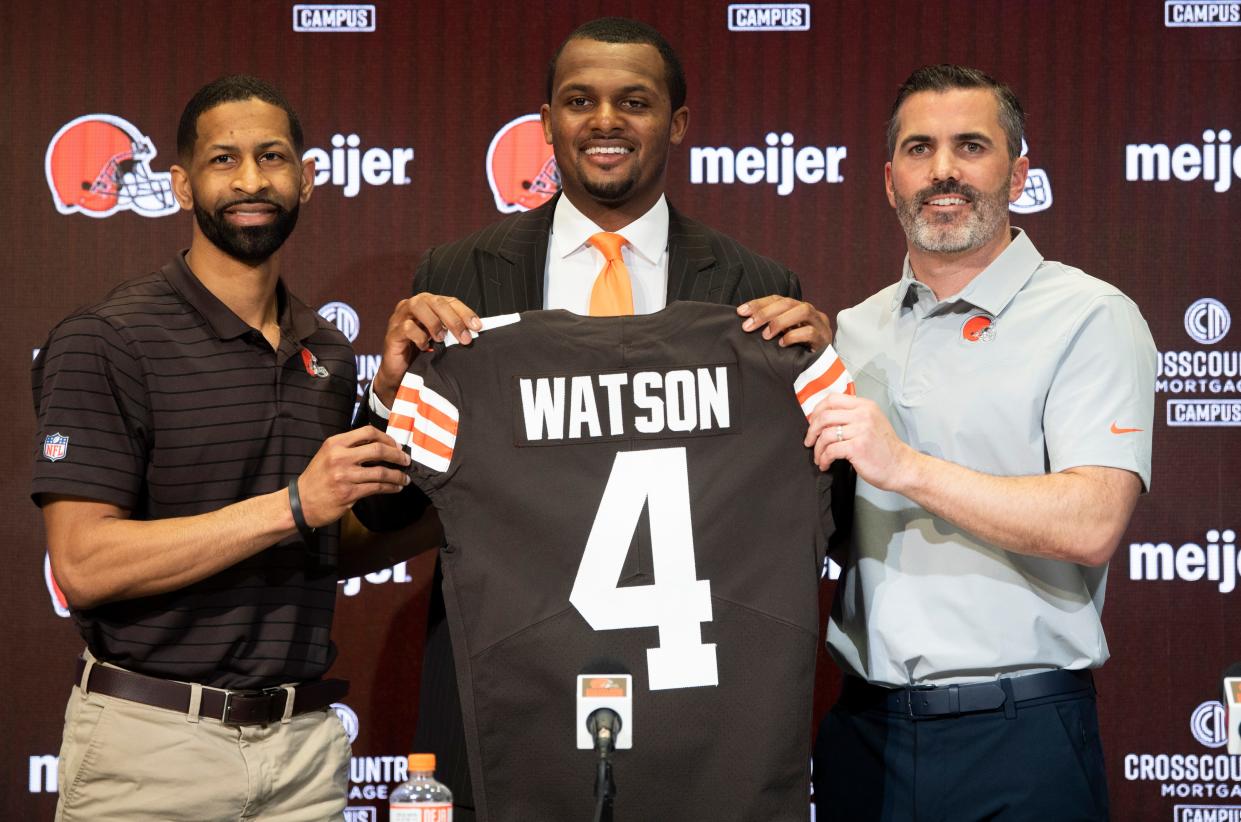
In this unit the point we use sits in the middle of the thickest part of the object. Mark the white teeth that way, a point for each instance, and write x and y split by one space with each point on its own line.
944 201
608 150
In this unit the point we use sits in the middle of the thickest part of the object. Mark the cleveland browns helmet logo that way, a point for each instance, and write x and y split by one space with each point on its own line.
98 164
520 166
978 328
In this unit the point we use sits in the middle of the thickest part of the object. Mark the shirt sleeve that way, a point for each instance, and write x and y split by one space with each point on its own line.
376 406
93 419
1101 405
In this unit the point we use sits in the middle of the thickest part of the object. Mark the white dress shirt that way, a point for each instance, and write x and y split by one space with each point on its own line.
573 264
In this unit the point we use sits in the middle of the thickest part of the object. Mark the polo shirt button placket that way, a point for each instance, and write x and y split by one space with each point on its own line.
913 376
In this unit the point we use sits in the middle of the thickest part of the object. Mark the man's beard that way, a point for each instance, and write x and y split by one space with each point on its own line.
250 244
938 233
611 191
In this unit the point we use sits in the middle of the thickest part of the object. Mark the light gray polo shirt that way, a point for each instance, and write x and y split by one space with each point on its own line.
1034 367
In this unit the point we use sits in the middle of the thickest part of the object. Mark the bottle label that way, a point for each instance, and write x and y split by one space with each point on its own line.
422 812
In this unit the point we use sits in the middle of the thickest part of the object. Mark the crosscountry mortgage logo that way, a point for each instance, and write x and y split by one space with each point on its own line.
1208 726
1201 13
1207 321
769 17
347 718
343 317
333 17
1215 373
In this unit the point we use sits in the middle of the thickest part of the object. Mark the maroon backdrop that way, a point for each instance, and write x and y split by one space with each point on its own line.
1124 103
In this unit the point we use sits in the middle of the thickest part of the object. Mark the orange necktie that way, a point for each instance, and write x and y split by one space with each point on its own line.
612 294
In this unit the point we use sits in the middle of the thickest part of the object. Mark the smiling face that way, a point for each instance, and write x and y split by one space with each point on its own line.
610 123
950 178
244 180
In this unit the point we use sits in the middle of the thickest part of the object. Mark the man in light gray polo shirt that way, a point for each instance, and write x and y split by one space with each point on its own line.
1001 434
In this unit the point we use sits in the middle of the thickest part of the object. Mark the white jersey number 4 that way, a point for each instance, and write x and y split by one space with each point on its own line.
677 602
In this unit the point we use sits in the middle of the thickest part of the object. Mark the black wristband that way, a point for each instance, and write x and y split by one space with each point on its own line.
299 518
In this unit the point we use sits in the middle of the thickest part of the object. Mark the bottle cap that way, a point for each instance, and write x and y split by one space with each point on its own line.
421 762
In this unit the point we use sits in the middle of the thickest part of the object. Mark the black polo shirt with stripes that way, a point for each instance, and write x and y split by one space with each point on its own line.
162 401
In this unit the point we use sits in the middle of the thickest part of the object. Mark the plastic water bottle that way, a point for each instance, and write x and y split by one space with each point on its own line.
421 798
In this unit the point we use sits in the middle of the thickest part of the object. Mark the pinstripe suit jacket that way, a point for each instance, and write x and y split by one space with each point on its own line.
500 270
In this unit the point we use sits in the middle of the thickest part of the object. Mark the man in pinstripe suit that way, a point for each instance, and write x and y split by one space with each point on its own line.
616 104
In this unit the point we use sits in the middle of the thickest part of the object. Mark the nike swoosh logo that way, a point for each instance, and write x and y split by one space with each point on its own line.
1116 430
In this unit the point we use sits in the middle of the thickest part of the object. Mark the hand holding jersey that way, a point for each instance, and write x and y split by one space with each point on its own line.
346 468
415 324
789 321
854 429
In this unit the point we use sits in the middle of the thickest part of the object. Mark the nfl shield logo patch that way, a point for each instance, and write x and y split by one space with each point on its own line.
55 447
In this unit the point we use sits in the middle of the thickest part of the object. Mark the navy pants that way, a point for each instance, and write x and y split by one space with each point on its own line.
1039 761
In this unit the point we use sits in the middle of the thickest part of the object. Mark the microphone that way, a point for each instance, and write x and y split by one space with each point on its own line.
604 724
1232 707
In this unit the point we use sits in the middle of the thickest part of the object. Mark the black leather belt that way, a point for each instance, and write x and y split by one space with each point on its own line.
977 697
258 707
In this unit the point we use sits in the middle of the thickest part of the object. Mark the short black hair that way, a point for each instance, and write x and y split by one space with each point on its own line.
624 30
946 77
231 89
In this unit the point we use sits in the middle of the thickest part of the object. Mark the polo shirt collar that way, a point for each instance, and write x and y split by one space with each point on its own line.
295 317
647 236
994 286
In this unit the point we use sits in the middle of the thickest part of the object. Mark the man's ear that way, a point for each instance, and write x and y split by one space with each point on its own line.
181 187
308 178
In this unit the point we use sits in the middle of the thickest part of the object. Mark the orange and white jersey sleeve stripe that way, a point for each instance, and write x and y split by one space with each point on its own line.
826 375
424 422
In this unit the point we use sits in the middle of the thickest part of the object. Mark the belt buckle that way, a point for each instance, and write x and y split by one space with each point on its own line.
932 701
235 700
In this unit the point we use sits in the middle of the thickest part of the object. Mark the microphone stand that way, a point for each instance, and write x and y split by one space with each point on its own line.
605 789
603 725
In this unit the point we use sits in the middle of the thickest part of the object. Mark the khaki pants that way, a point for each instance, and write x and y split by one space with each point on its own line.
123 761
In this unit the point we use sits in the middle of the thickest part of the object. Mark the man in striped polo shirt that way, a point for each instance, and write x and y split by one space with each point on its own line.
192 474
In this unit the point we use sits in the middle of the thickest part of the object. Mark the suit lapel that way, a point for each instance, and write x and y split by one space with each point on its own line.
694 273
514 260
